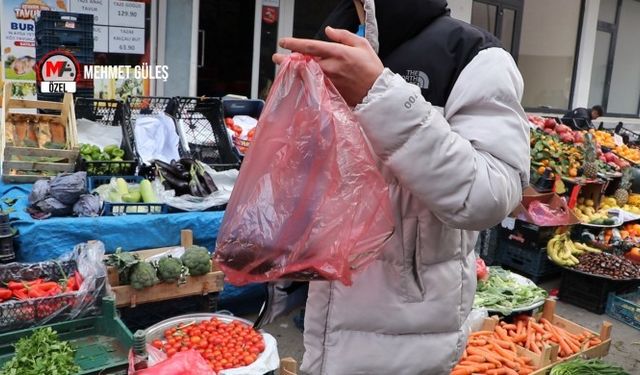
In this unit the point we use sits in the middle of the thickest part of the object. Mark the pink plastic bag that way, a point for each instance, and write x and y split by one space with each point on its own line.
182 363
310 202
545 215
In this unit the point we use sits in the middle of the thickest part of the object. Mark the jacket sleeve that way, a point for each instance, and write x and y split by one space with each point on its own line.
467 166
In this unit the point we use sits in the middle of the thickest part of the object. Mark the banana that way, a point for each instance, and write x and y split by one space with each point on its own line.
552 249
585 247
572 247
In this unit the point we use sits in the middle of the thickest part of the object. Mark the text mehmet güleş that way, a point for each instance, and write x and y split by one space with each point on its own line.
144 71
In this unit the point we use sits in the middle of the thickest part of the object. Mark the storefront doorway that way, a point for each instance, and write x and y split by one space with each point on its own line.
225 45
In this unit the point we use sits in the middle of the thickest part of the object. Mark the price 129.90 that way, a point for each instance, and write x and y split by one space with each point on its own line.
126 13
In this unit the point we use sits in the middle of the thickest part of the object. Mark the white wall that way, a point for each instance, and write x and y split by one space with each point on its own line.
461 9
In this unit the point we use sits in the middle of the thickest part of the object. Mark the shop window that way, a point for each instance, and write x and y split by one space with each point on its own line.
624 94
502 18
547 55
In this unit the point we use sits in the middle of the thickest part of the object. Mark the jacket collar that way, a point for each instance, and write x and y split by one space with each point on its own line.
388 23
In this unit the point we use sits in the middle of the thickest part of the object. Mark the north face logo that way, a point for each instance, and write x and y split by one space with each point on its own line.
418 78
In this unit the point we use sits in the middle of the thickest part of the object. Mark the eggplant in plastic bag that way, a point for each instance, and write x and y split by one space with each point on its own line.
67 188
310 202
51 207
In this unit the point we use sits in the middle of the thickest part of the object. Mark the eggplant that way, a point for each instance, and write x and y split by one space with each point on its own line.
176 183
207 180
170 169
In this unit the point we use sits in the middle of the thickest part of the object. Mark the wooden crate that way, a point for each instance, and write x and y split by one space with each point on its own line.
548 357
598 351
68 156
126 295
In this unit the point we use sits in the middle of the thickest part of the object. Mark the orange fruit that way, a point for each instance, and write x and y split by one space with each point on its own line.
541 170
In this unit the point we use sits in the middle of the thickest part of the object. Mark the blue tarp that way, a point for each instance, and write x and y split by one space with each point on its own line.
47 239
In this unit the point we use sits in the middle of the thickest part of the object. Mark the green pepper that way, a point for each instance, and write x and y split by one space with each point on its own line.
110 148
85 149
116 158
117 153
87 157
95 155
105 157
95 149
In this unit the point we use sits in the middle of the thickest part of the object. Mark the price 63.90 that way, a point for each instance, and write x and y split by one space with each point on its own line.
126 47
127 13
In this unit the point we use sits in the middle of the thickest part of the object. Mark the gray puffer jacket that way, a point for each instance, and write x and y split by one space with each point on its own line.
453 169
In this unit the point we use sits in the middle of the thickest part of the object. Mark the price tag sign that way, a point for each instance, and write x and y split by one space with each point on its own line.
617 139
271 3
126 40
100 39
99 9
126 13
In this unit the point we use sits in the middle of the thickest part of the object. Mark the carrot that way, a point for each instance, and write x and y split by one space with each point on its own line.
477 358
462 371
519 338
510 327
520 328
502 371
538 327
481 333
502 334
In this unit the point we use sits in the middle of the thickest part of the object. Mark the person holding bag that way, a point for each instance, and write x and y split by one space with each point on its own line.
439 101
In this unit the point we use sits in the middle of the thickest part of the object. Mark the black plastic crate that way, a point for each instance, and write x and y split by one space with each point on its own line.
68 37
64 21
107 113
528 235
487 245
84 57
236 107
136 106
202 128
104 111
532 263
15 314
117 209
591 292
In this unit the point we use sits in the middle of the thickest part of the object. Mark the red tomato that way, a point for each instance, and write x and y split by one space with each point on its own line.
171 352
157 344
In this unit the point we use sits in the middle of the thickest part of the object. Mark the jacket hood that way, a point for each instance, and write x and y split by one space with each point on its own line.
388 23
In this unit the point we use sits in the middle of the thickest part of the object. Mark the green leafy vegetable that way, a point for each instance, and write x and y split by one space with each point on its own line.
503 293
586 367
41 353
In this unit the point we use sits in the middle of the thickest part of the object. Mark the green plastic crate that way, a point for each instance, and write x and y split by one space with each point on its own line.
102 342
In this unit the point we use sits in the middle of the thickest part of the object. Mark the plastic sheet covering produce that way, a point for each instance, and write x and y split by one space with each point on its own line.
85 259
156 138
224 181
97 134
310 202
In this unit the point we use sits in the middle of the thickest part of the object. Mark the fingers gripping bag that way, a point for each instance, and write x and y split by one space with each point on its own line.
310 202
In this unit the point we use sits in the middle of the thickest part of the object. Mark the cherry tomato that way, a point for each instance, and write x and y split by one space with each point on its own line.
157 344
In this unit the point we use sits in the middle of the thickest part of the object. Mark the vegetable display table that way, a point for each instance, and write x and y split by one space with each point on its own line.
48 239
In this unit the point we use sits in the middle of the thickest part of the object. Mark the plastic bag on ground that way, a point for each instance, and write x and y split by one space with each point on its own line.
310 202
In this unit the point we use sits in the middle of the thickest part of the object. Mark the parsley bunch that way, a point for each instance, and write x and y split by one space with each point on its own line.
41 353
